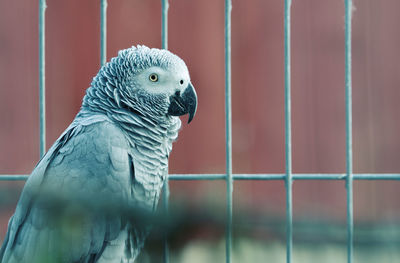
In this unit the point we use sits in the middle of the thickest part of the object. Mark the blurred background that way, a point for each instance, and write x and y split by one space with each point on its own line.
196 34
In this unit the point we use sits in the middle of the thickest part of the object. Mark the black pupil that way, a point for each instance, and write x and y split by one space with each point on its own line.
153 77
181 82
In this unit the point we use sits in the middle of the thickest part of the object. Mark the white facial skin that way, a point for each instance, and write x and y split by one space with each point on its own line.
156 80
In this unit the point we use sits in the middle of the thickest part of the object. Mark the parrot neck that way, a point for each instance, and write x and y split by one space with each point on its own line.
139 127
144 132
142 129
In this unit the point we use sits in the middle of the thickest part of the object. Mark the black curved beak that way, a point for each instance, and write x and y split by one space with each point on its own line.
184 103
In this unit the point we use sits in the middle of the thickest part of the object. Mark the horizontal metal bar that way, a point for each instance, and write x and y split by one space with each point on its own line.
319 176
180 177
382 176
189 177
13 177
376 176
259 176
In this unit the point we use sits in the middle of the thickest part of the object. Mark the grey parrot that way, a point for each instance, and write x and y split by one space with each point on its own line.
114 152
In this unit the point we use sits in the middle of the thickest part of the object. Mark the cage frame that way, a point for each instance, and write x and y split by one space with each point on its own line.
288 177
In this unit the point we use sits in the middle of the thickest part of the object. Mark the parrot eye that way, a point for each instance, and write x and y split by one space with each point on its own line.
153 77
181 82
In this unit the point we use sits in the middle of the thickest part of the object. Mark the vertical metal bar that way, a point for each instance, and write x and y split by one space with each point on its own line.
349 139
228 127
103 32
164 45
164 24
42 90
288 134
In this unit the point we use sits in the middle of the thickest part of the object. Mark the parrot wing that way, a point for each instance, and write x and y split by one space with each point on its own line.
88 164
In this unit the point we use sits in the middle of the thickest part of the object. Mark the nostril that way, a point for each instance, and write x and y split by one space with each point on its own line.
178 93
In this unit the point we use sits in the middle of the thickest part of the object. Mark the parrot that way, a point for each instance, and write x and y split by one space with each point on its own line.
114 152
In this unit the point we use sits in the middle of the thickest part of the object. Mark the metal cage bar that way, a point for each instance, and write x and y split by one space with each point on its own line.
228 130
349 136
103 32
264 177
42 90
164 45
288 134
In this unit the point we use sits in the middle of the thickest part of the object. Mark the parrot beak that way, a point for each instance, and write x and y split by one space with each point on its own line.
184 103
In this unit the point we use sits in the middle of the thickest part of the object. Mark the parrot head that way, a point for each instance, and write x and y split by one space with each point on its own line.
150 82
